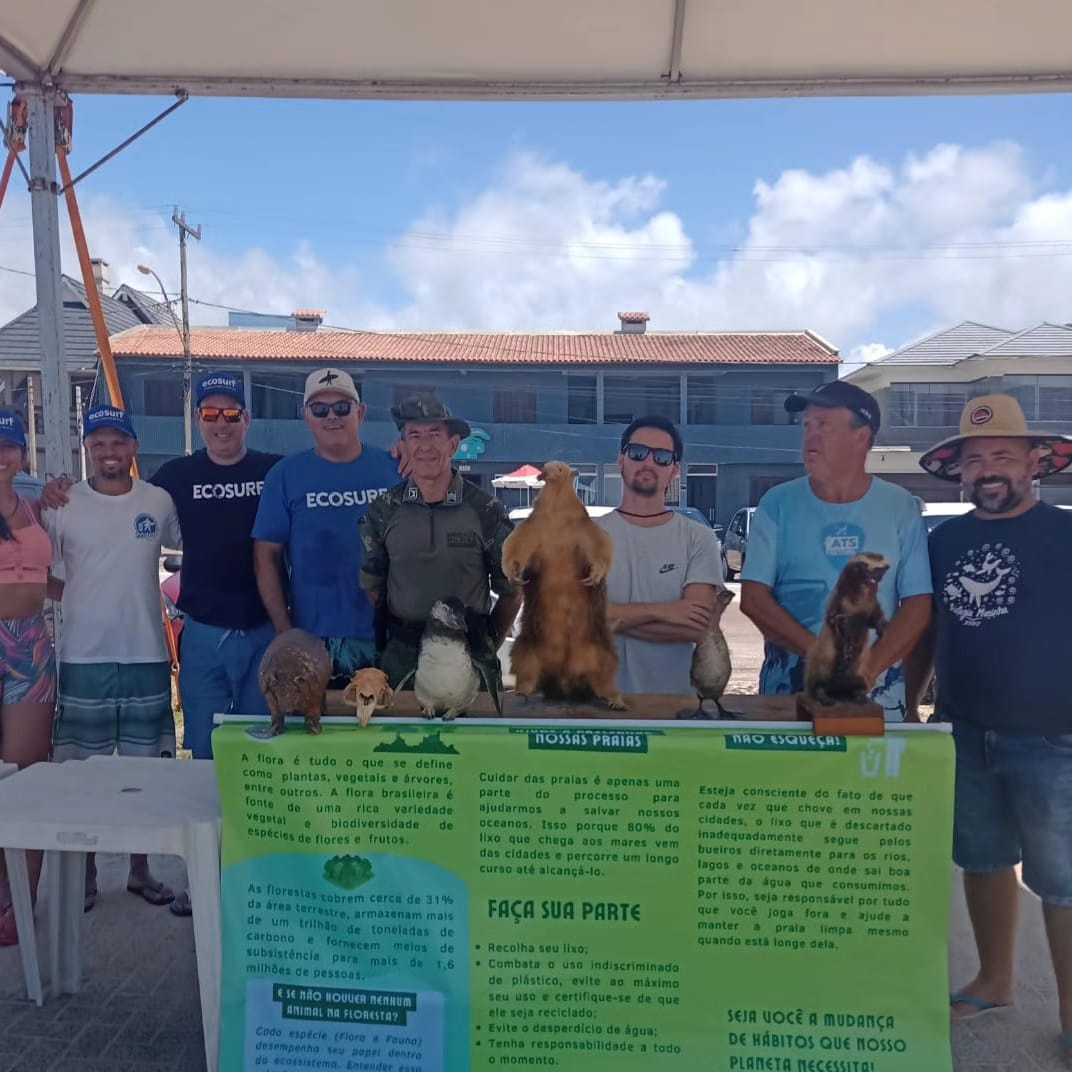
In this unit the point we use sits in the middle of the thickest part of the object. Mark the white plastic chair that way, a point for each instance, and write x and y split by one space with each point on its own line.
114 804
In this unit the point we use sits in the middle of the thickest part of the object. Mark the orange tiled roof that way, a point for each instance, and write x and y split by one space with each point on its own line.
634 318
308 314
472 348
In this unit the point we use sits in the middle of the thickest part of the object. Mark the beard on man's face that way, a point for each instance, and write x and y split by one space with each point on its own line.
997 494
645 482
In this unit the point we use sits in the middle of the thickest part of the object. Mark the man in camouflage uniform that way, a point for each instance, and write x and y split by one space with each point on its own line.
433 537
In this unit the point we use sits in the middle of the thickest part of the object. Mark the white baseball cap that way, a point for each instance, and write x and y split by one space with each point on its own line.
329 379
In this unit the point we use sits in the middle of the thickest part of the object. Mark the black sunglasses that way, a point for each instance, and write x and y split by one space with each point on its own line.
637 452
232 415
340 409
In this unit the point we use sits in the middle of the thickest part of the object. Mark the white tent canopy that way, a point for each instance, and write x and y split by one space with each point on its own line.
496 50
554 49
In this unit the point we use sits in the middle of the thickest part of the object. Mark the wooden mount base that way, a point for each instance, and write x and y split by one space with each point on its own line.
842 719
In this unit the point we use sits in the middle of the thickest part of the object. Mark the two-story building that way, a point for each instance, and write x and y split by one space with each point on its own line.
530 398
922 389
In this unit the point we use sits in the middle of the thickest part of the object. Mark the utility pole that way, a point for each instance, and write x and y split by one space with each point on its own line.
179 219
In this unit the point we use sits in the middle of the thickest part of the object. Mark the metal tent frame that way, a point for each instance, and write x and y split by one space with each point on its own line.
559 50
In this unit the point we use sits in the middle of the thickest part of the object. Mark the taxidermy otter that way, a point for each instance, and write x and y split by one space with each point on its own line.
711 665
561 558
832 668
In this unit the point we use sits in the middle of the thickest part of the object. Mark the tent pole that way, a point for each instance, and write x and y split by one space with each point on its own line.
55 381
100 328
5 177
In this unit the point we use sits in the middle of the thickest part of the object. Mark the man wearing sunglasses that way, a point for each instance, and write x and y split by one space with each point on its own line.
805 531
666 568
216 492
307 553
225 629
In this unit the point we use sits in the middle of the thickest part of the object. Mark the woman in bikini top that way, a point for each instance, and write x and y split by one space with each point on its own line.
27 659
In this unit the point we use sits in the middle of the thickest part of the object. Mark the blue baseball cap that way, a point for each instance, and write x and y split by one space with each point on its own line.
11 428
107 417
221 383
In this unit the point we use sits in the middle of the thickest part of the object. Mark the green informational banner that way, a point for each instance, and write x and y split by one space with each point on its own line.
677 898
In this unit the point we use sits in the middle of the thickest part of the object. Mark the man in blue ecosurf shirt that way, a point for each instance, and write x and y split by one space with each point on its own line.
805 531
307 553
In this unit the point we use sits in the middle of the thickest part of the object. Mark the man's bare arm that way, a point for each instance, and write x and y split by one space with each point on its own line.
682 621
775 623
268 566
901 635
918 670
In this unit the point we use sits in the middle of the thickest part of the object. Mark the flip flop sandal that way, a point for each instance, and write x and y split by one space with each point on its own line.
181 905
982 1007
154 892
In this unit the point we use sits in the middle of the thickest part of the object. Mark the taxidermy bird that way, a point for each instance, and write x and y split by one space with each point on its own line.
294 675
832 670
447 678
561 558
711 666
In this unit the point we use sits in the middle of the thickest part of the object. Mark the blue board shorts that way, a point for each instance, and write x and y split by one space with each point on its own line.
1014 804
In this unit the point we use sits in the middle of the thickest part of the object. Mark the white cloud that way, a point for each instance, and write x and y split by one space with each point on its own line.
944 234
867 352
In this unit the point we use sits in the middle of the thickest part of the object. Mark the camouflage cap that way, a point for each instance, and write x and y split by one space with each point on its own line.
427 408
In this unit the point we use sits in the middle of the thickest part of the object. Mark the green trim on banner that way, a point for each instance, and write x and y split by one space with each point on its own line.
443 898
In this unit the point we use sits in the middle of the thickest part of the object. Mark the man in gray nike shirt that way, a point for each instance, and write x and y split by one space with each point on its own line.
661 586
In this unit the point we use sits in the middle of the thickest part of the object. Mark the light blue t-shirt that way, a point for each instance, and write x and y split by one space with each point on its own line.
314 507
798 545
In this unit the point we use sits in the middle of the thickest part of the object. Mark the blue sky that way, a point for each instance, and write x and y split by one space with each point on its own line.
309 202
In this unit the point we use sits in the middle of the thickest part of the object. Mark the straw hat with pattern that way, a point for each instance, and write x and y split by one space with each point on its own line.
996 417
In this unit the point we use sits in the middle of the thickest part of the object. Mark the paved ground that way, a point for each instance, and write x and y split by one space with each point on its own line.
139 1009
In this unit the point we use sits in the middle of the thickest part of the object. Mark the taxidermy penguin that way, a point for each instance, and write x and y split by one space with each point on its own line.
446 680
711 666
832 667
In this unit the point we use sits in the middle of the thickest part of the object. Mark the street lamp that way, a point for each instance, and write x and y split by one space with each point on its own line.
187 366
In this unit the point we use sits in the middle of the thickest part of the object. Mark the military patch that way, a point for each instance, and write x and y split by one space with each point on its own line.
463 539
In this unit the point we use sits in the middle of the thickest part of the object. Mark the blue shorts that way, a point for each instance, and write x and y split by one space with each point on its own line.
1013 804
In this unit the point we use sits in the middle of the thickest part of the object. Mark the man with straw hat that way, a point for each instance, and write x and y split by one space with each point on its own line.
1003 595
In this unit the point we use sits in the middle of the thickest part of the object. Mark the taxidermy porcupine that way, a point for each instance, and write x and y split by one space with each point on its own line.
561 558
294 675
832 667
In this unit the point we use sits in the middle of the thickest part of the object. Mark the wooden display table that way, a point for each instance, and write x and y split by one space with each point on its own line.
747 708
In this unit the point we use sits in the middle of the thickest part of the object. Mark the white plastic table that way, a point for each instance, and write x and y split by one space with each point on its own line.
115 804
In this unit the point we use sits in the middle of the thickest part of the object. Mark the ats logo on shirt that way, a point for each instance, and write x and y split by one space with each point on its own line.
841 541
145 526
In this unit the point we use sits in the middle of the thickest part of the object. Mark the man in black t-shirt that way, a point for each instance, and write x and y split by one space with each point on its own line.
1002 593
225 629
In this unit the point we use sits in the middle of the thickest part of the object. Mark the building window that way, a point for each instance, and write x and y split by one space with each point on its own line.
627 397
163 395
768 406
927 405
581 399
277 396
703 397
513 407
1042 398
